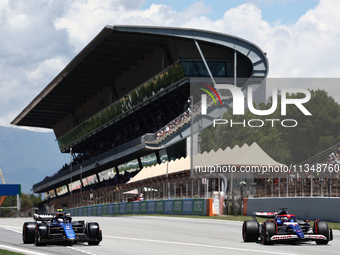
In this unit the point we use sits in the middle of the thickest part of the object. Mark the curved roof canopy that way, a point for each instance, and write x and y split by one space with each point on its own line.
252 155
110 53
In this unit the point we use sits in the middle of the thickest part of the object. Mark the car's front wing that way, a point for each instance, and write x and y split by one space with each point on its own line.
307 237
62 238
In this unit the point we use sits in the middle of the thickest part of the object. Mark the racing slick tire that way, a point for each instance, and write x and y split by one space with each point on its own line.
93 231
41 232
267 231
28 232
321 228
250 231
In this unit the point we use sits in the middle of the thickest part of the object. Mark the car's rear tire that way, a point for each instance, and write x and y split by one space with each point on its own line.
28 232
40 233
321 228
267 231
250 231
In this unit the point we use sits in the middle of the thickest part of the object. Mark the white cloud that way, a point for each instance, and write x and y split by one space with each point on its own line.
30 49
47 67
307 48
85 19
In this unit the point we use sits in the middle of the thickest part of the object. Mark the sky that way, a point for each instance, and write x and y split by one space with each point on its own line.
39 38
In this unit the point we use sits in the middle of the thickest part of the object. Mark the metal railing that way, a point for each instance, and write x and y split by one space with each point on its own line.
124 147
180 121
322 157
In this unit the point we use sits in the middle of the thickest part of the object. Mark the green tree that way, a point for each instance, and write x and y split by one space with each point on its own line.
289 145
26 201
314 133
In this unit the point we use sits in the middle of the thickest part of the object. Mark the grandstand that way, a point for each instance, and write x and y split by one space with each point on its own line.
122 103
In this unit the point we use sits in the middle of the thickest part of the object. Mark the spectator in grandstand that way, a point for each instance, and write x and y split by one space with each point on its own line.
141 198
337 154
331 159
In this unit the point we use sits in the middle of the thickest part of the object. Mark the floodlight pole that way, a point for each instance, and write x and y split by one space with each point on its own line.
191 136
18 205
167 165
192 112
81 179
71 167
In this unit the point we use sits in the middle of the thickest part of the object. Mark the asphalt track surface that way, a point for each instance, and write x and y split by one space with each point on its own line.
160 235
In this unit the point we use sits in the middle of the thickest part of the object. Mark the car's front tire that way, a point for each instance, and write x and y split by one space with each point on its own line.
321 228
94 232
267 231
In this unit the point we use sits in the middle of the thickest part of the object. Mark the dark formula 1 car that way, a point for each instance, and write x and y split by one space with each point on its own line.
59 228
284 227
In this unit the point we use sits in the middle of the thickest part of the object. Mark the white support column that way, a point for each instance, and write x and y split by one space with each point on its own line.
272 186
205 62
164 191
175 187
295 184
192 188
206 186
311 184
198 187
330 185
186 189
287 185
235 67
279 195
18 205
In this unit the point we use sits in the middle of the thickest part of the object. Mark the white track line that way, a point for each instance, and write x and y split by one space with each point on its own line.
7 226
198 245
31 252
20 250
75 249
16 231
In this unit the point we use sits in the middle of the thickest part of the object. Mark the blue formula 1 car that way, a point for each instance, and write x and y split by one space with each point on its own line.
284 227
59 228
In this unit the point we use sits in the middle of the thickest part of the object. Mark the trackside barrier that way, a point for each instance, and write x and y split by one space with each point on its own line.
324 208
187 206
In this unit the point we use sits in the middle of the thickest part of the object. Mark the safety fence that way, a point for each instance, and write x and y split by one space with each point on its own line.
170 206
325 208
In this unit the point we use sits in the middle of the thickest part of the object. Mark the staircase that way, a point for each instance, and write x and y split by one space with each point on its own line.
322 157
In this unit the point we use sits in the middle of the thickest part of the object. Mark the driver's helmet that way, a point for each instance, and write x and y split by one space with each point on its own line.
60 220
59 216
281 219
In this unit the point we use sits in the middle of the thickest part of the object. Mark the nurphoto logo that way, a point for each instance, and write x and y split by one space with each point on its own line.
239 105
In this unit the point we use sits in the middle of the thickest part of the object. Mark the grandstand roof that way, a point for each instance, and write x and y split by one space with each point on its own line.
245 156
114 50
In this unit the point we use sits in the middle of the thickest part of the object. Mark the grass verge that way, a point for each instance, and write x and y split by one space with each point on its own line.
5 252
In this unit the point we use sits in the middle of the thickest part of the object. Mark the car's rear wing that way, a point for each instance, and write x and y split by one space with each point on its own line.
43 217
49 216
267 215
